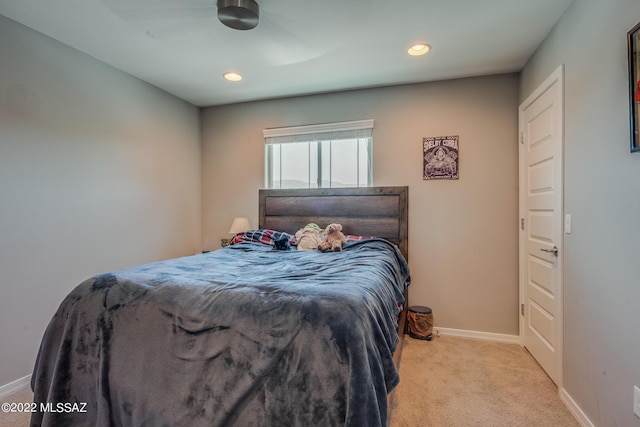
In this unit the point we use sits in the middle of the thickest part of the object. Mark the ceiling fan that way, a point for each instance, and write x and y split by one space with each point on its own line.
239 14
285 35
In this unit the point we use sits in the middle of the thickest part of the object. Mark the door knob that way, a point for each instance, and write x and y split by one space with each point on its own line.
553 251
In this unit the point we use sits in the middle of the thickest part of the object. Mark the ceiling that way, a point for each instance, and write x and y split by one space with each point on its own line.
299 47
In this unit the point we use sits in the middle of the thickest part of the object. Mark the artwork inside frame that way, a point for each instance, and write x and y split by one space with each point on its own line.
633 47
440 157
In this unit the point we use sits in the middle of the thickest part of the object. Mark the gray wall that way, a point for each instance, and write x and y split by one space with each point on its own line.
98 171
602 193
463 235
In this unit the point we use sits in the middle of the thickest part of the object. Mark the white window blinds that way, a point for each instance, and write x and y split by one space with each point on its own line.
324 155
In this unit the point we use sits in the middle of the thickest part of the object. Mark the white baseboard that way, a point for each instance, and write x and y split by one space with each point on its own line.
580 416
488 336
14 386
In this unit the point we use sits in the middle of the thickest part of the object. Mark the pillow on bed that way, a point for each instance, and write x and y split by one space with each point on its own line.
265 236
355 238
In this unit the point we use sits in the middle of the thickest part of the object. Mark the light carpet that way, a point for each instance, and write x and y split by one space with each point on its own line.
461 382
16 419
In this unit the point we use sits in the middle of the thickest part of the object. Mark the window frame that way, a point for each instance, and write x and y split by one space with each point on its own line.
321 133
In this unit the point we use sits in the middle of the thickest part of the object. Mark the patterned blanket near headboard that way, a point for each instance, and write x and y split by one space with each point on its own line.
243 336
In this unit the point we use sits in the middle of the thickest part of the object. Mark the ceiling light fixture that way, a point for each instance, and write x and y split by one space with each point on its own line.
232 77
239 14
419 49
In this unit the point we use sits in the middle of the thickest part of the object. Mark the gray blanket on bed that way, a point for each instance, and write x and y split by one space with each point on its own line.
243 336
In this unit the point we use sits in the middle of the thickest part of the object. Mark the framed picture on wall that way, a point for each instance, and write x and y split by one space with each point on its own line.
440 155
633 47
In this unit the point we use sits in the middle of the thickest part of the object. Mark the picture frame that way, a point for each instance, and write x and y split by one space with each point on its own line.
633 48
441 157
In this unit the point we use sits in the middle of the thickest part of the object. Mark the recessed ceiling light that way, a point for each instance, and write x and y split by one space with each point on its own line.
419 49
232 77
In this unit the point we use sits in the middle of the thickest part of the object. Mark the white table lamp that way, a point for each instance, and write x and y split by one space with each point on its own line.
240 225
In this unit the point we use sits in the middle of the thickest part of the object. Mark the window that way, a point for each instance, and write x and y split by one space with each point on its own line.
326 155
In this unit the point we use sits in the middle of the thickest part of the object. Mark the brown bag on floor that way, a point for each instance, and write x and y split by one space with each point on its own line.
420 322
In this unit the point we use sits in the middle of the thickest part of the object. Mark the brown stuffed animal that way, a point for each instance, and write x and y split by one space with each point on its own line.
333 238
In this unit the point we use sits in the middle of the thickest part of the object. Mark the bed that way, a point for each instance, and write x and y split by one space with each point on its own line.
247 335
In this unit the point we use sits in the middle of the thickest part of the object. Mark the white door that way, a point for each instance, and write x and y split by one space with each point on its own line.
541 218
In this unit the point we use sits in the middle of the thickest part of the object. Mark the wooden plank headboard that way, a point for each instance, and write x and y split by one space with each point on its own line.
365 211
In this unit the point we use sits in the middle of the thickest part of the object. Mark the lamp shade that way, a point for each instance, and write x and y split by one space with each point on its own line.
239 225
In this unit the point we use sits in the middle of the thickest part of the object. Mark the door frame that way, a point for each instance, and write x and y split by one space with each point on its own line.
556 77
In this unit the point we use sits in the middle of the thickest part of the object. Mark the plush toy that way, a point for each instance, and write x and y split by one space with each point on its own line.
308 237
333 238
282 244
